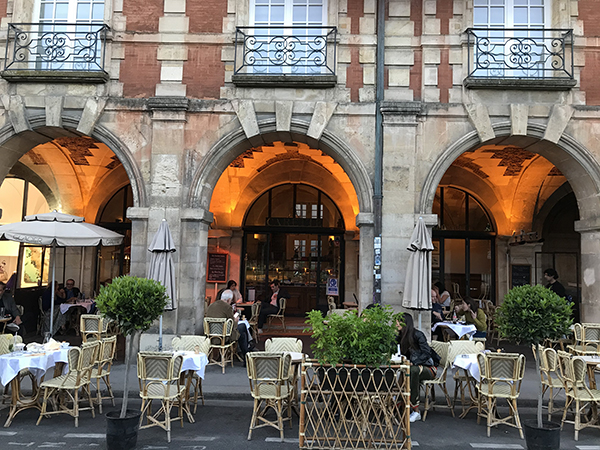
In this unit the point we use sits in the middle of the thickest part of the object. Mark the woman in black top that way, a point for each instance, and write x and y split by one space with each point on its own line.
413 345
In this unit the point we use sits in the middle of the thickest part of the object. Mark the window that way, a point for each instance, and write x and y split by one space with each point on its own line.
511 13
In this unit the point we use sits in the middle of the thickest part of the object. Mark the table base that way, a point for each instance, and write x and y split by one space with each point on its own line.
19 403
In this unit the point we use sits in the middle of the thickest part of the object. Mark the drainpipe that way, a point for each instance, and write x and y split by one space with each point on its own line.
378 182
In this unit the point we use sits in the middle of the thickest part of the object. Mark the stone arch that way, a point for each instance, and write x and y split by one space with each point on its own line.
233 144
579 167
15 145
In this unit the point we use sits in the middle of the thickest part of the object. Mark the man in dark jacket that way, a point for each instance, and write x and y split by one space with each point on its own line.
221 309
10 307
272 306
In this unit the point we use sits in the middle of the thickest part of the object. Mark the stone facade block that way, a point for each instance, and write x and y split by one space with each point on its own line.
480 118
430 7
175 6
431 55
54 108
431 94
519 114
91 113
344 55
369 74
399 77
559 119
431 26
172 53
399 8
320 118
367 25
170 90
399 28
430 76
370 6
366 55
171 72
455 56
173 24
399 57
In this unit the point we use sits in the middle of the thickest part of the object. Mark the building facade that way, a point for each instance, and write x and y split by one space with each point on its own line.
259 130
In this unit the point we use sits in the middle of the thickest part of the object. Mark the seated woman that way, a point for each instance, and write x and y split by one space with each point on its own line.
443 294
473 315
424 360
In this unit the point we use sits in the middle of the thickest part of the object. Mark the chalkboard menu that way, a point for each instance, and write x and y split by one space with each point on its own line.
520 274
217 268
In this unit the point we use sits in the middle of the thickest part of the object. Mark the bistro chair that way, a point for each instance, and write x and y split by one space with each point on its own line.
6 340
441 348
501 376
192 343
271 388
551 380
255 311
158 375
283 344
587 339
78 377
463 382
91 327
219 331
280 314
101 371
573 370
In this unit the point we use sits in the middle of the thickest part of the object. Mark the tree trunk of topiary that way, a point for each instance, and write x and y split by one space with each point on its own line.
540 387
127 364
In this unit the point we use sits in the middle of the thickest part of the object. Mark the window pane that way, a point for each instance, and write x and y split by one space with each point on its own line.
497 15
261 14
277 13
62 11
83 11
536 15
281 202
454 209
98 12
258 212
47 11
480 16
315 14
520 16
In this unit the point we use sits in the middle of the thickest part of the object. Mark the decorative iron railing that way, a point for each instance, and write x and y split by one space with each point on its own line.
520 53
267 50
55 47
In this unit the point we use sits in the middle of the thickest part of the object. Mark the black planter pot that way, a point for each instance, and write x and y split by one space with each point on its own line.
545 438
121 434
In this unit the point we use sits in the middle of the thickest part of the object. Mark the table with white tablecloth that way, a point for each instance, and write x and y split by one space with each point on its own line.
469 363
195 362
87 304
460 329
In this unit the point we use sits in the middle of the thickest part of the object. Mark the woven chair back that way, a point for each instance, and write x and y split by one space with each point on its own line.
155 366
6 340
268 367
441 348
578 333
218 327
189 343
284 344
255 311
282 305
463 348
591 333
107 350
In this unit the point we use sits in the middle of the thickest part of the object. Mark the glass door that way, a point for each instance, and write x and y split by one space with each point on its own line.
255 263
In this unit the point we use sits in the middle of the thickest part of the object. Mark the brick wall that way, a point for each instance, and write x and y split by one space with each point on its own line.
3 7
204 72
444 75
206 15
416 74
589 77
416 15
140 70
142 15
589 13
444 11
356 9
354 75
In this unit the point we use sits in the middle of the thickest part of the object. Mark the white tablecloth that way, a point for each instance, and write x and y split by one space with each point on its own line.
469 363
64 307
459 329
38 364
194 361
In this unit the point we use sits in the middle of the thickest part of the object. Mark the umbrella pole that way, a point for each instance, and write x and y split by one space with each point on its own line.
160 334
53 287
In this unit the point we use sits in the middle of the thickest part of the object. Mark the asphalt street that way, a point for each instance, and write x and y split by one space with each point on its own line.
223 425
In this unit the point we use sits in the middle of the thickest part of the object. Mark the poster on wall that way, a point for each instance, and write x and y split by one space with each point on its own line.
216 271
520 274
332 286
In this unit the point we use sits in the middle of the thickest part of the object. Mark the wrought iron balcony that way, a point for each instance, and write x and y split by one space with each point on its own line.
285 55
53 51
525 57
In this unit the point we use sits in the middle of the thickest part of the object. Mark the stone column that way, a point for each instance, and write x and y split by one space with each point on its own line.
590 269
192 273
365 222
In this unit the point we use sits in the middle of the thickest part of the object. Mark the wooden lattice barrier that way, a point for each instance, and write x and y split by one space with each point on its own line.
352 406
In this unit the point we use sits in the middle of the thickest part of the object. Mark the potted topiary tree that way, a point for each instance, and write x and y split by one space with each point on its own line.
134 304
530 315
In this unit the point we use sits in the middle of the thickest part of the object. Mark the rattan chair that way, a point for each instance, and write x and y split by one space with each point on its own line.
463 382
101 371
7 340
441 348
158 375
587 339
283 344
573 370
551 380
255 311
78 377
501 376
193 381
280 314
219 332
94 327
271 388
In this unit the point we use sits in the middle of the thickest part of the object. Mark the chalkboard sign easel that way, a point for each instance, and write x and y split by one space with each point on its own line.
520 274
216 271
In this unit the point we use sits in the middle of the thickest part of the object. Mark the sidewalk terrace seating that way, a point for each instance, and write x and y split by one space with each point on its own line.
189 343
441 348
219 332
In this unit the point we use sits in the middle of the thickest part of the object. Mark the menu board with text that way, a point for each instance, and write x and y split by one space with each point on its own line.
216 271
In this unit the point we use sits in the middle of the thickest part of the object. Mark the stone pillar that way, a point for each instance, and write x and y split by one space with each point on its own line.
365 222
139 243
192 274
590 270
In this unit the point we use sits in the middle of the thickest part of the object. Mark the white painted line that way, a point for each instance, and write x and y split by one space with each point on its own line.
414 443
22 444
286 440
588 447
7 433
502 446
85 435
197 438
53 445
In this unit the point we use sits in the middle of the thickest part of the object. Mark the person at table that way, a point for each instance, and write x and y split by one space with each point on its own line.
221 309
554 285
437 314
59 297
272 306
232 286
72 293
473 315
7 302
424 360
443 294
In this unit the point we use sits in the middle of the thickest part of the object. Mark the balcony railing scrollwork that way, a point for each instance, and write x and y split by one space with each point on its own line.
285 53
520 55
52 50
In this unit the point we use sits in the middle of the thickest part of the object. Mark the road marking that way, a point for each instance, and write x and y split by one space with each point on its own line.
53 445
85 435
286 440
588 447
503 446
23 444
196 438
7 433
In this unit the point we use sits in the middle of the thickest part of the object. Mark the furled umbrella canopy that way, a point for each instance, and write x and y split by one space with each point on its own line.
417 288
161 267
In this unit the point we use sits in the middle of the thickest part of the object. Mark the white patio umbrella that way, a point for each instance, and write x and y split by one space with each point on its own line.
58 230
161 268
417 288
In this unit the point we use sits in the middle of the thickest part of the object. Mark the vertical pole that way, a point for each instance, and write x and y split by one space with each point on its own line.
160 334
53 287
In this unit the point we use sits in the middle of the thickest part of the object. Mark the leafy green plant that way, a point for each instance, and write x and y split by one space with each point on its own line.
368 338
530 315
134 304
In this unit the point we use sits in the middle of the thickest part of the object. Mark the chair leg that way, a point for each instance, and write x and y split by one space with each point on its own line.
550 403
76 407
254 418
280 419
109 388
517 418
490 404
44 406
577 419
